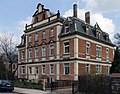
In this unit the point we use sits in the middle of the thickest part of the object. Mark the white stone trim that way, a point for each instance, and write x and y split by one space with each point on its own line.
75 70
87 39
52 25
76 47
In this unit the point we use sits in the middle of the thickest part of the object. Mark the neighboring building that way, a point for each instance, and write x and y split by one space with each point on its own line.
8 65
58 48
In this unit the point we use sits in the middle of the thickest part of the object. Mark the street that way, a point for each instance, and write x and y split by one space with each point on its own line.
26 91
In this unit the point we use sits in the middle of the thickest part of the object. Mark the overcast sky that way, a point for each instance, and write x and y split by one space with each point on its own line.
14 14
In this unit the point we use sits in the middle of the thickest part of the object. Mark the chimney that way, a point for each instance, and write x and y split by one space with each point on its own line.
87 17
75 10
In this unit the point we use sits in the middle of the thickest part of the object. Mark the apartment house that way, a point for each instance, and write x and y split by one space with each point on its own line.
57 48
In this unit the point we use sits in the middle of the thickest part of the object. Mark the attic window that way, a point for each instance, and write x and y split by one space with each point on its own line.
87 30
66 29
99 35
43 16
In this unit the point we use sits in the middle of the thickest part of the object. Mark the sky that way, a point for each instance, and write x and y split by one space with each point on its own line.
14 14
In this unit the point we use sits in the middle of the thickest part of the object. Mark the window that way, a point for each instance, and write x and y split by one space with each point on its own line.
23 69
66 29
51 69
66 68
107 54
99 69
107 70
99 51
36 36
36 52
51 50
87 48
43 51
36 19
43 16
14 66
30 53
30 38
22 55
51 32
43 35
99 35
87 68
22 41
30 70
66 47
36 70
43 69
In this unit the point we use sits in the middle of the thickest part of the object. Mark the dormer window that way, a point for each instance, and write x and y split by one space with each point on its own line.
66 28
99 35
22 41
87 30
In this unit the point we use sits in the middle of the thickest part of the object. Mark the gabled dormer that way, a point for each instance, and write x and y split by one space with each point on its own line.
97 31
41 13
23 41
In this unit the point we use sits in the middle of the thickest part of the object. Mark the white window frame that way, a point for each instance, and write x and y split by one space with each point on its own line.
51 68
30 52
43 51
23 69
99 69
107 54
51 49
36 52
36 36
43 69
87 68
67 27
66 68
30 38
98 51
36 70
87 48
51 32
22 55
66 47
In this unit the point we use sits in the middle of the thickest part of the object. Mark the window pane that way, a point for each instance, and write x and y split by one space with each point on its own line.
43 35
36 36
52 68
43 51
51 32
51 49
66 47
66 68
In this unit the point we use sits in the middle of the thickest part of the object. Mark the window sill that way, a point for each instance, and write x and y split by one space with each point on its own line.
66 53
51 73
52 36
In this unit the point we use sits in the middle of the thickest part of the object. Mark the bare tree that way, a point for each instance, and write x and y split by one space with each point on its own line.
8 48
117 39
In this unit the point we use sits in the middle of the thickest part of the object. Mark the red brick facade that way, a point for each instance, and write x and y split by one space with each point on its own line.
65 66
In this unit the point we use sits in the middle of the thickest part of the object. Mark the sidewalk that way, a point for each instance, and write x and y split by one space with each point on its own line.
29 91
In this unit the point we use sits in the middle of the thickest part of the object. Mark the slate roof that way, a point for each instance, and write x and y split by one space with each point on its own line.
22 44
78 26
